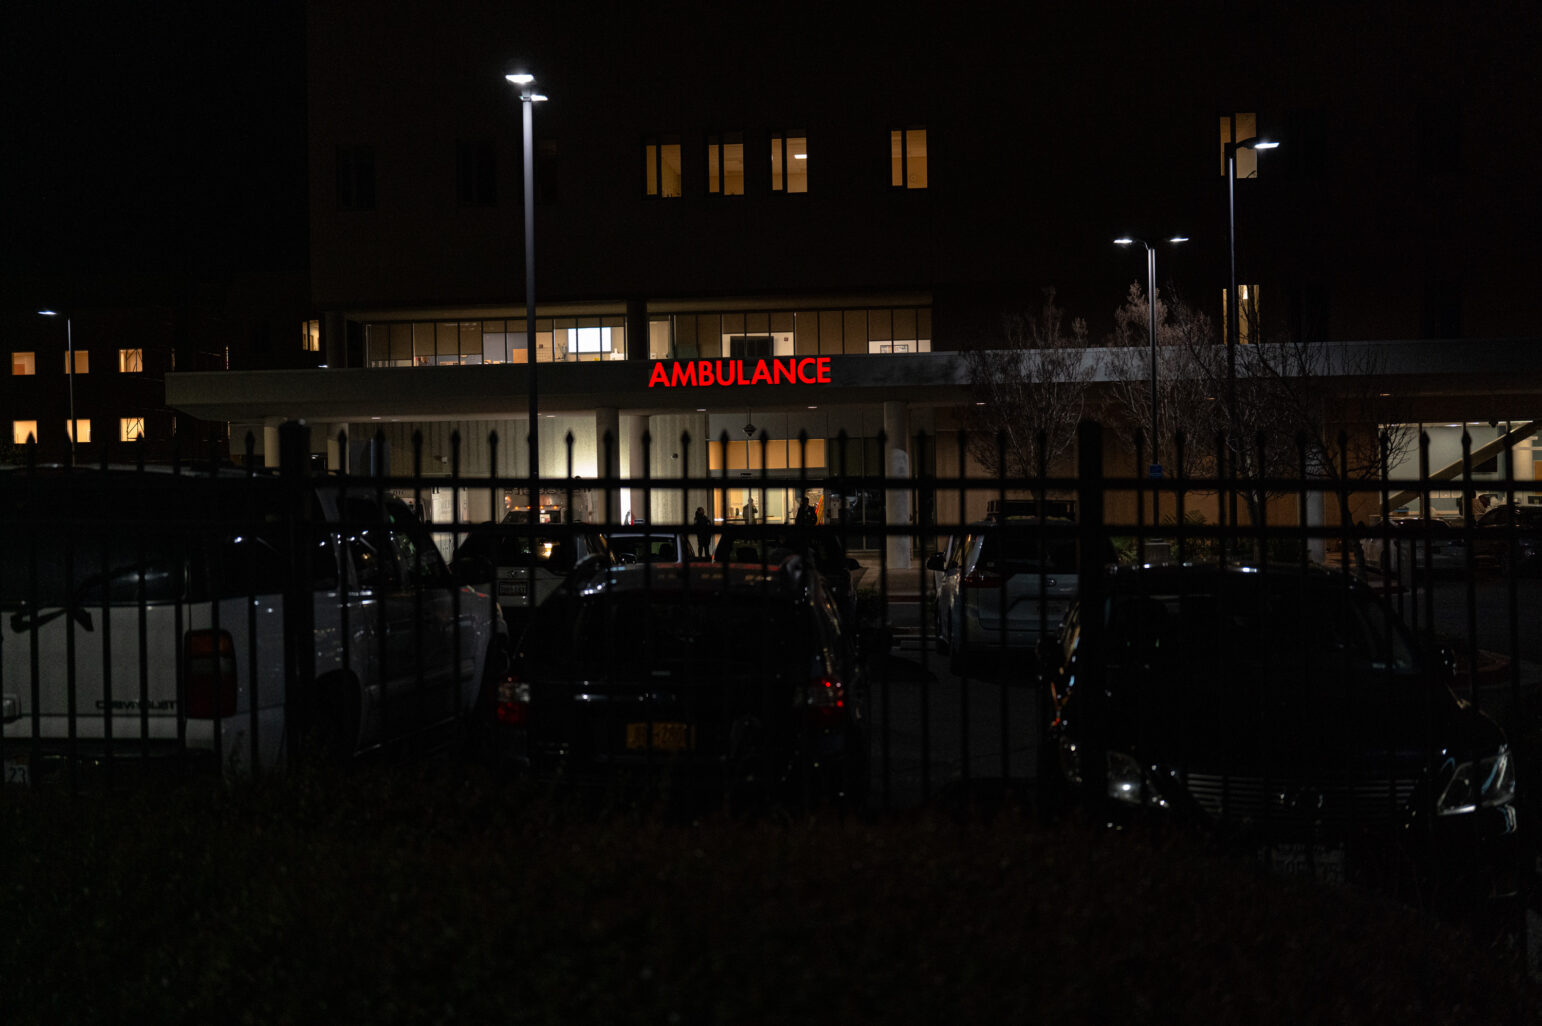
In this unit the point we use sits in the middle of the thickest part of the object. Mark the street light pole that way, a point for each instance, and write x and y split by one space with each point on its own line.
1151 287
529 96
69 348
1232 312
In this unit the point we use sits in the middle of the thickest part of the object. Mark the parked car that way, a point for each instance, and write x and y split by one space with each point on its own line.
771 544
1414 545
1291 716
1510 537
1002 585
654 545
694 679
529 563
145 619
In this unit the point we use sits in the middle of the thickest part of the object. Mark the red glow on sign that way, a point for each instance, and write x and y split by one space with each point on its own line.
790 370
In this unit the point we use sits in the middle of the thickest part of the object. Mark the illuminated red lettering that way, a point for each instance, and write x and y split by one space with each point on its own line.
808 370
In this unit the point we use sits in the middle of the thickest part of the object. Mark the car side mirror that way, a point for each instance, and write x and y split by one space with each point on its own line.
852 565
934 561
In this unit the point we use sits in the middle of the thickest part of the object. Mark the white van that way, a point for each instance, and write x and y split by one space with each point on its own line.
143 621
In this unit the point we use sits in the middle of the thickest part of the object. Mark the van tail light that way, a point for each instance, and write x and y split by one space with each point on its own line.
981 579
513 707
823 702
208 674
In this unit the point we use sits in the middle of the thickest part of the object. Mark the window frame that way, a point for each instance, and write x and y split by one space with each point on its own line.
902 137
654 150
718 144
781 162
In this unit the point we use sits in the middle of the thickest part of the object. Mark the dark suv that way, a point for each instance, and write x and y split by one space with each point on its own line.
1290 714
738 681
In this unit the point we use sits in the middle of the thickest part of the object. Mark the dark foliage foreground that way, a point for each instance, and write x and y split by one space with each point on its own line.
435 896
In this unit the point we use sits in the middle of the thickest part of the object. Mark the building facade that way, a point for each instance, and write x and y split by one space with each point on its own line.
830 208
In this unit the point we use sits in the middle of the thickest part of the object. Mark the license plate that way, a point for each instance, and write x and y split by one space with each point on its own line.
18 771
1319 861
514 588
660 737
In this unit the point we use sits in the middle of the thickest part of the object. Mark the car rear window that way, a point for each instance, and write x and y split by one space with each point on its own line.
635 635
1024 552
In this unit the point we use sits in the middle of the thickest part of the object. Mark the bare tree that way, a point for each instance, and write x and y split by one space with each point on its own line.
1030 394
1292 407
1185 390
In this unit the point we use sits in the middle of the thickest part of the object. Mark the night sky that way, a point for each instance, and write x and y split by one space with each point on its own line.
165 139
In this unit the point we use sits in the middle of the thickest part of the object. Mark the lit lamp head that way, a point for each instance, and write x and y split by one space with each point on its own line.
518 73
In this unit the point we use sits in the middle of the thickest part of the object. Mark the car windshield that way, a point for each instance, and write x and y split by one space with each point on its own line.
1248 621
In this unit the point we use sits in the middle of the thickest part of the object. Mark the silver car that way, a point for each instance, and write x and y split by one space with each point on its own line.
527 563
1002 585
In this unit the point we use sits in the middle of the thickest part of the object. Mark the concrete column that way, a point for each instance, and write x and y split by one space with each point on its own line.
607 462
334 339
896 429
674 459
636 329
268 446
633 461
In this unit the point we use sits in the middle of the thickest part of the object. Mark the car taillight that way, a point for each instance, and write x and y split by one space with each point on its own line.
824 702
209 674
513 703
980 579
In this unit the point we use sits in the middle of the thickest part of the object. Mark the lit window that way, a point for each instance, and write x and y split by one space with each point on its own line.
662 173
907 158
82 430
1247 303
82 362
588 340
23 363
23 431
1237 128
310 336
725 164
131 429
131 361
789 162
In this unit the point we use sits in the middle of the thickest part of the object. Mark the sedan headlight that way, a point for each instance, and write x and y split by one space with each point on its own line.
1479 784
1128 783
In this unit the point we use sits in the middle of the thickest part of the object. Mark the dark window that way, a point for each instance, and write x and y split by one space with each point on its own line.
356 178
1440 137
476 174
546 172
1304 146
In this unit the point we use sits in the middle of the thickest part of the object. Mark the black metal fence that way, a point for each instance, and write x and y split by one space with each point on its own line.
949 608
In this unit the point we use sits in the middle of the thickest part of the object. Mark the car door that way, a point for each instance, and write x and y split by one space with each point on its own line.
415 622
